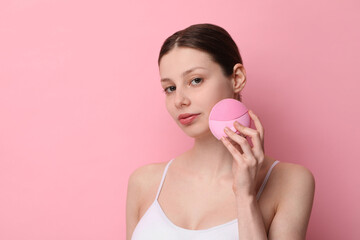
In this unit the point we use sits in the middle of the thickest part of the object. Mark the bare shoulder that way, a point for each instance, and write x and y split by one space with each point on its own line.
292 179
144 176
294 175
140 183
297 189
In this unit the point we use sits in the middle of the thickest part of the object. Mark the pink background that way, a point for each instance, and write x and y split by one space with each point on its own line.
81 105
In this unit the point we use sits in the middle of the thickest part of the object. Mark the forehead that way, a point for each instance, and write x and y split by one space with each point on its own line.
180 59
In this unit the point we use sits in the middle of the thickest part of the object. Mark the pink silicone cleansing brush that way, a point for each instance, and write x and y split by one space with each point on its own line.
225 113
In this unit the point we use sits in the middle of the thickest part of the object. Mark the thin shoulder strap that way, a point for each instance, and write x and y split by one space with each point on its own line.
162 179
266 179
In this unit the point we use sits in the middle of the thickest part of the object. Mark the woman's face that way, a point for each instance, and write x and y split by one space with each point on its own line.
193 83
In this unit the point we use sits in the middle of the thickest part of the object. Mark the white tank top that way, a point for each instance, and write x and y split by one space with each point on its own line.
155 225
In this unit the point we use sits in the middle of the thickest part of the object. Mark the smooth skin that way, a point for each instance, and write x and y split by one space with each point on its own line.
216 181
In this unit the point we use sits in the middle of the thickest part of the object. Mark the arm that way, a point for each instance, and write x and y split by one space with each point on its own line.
250 222
293 212
132 198
297 188
294 209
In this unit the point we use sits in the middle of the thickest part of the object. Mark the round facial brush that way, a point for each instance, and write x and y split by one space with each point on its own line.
224 113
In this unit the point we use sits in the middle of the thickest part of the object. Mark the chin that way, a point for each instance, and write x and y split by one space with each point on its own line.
199 133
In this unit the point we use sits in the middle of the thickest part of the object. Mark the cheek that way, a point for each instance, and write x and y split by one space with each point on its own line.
167 107
170 110
220 88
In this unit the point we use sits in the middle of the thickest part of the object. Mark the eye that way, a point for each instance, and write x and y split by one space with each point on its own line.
198 80
165 90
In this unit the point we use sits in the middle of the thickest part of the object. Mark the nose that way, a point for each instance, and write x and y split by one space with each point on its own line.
181 99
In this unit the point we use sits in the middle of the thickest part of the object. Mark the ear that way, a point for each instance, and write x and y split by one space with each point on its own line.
238 77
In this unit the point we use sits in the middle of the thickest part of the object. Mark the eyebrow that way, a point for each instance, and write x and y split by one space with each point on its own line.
183 74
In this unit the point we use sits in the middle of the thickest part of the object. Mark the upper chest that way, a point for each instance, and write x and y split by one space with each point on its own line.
195 205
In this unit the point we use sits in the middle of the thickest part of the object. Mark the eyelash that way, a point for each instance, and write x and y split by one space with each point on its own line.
165 90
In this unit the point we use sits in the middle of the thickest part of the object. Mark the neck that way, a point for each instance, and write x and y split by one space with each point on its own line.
209 158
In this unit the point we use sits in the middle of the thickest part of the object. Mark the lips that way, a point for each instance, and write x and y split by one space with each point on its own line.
186 115
188 120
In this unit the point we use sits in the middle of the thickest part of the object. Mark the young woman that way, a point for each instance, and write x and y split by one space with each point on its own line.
216 189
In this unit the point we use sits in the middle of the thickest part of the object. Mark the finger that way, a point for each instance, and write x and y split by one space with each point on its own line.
258 124
245 146
252 133
236 154
259 128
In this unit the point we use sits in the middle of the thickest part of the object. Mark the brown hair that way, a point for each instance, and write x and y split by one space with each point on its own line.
210 38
